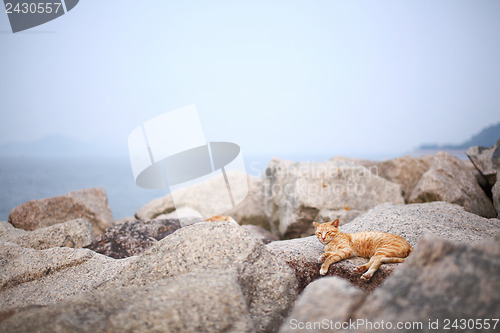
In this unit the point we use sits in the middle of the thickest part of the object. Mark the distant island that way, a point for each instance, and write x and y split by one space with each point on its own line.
486 138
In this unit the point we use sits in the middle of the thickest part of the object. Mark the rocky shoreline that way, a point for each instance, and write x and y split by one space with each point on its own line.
67 266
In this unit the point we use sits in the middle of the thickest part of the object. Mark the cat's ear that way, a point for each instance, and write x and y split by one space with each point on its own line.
315 224
335 223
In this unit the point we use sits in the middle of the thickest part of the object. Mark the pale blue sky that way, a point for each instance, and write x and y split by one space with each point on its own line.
276 77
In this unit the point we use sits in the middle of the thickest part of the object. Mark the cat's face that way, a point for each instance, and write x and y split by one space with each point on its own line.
326 232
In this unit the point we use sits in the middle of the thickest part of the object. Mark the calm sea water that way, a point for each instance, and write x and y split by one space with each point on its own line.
27 178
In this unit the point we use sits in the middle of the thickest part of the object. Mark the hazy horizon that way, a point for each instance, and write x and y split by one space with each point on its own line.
54 145
276 77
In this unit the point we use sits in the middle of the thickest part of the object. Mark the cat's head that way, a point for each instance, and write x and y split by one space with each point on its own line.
326 231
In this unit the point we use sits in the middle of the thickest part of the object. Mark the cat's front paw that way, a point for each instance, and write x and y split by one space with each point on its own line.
366 276
360 269
323 270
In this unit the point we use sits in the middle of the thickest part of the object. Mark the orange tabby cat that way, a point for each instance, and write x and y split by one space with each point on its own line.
380 247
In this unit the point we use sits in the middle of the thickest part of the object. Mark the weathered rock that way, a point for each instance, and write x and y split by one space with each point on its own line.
325 301
296 192
495 193
89 204
185 215
371 165
440 280
486 160
481 180
249 211
405 171
427 159
216 263
344 215
219 248
131 238
260 233
189 303
448 179
252 209
40 277
156 207
443 219
75 233
409 221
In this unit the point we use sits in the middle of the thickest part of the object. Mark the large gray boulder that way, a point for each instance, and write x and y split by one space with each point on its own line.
185 215
371 165
76 233
201 198
41 277
325 301
486 160
481 180
296 192
448 179
156 207
188 303
443 219
90 204
210 273
220 248
495 193
405 171
252 209
409 221
132 237
260 233
345 215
